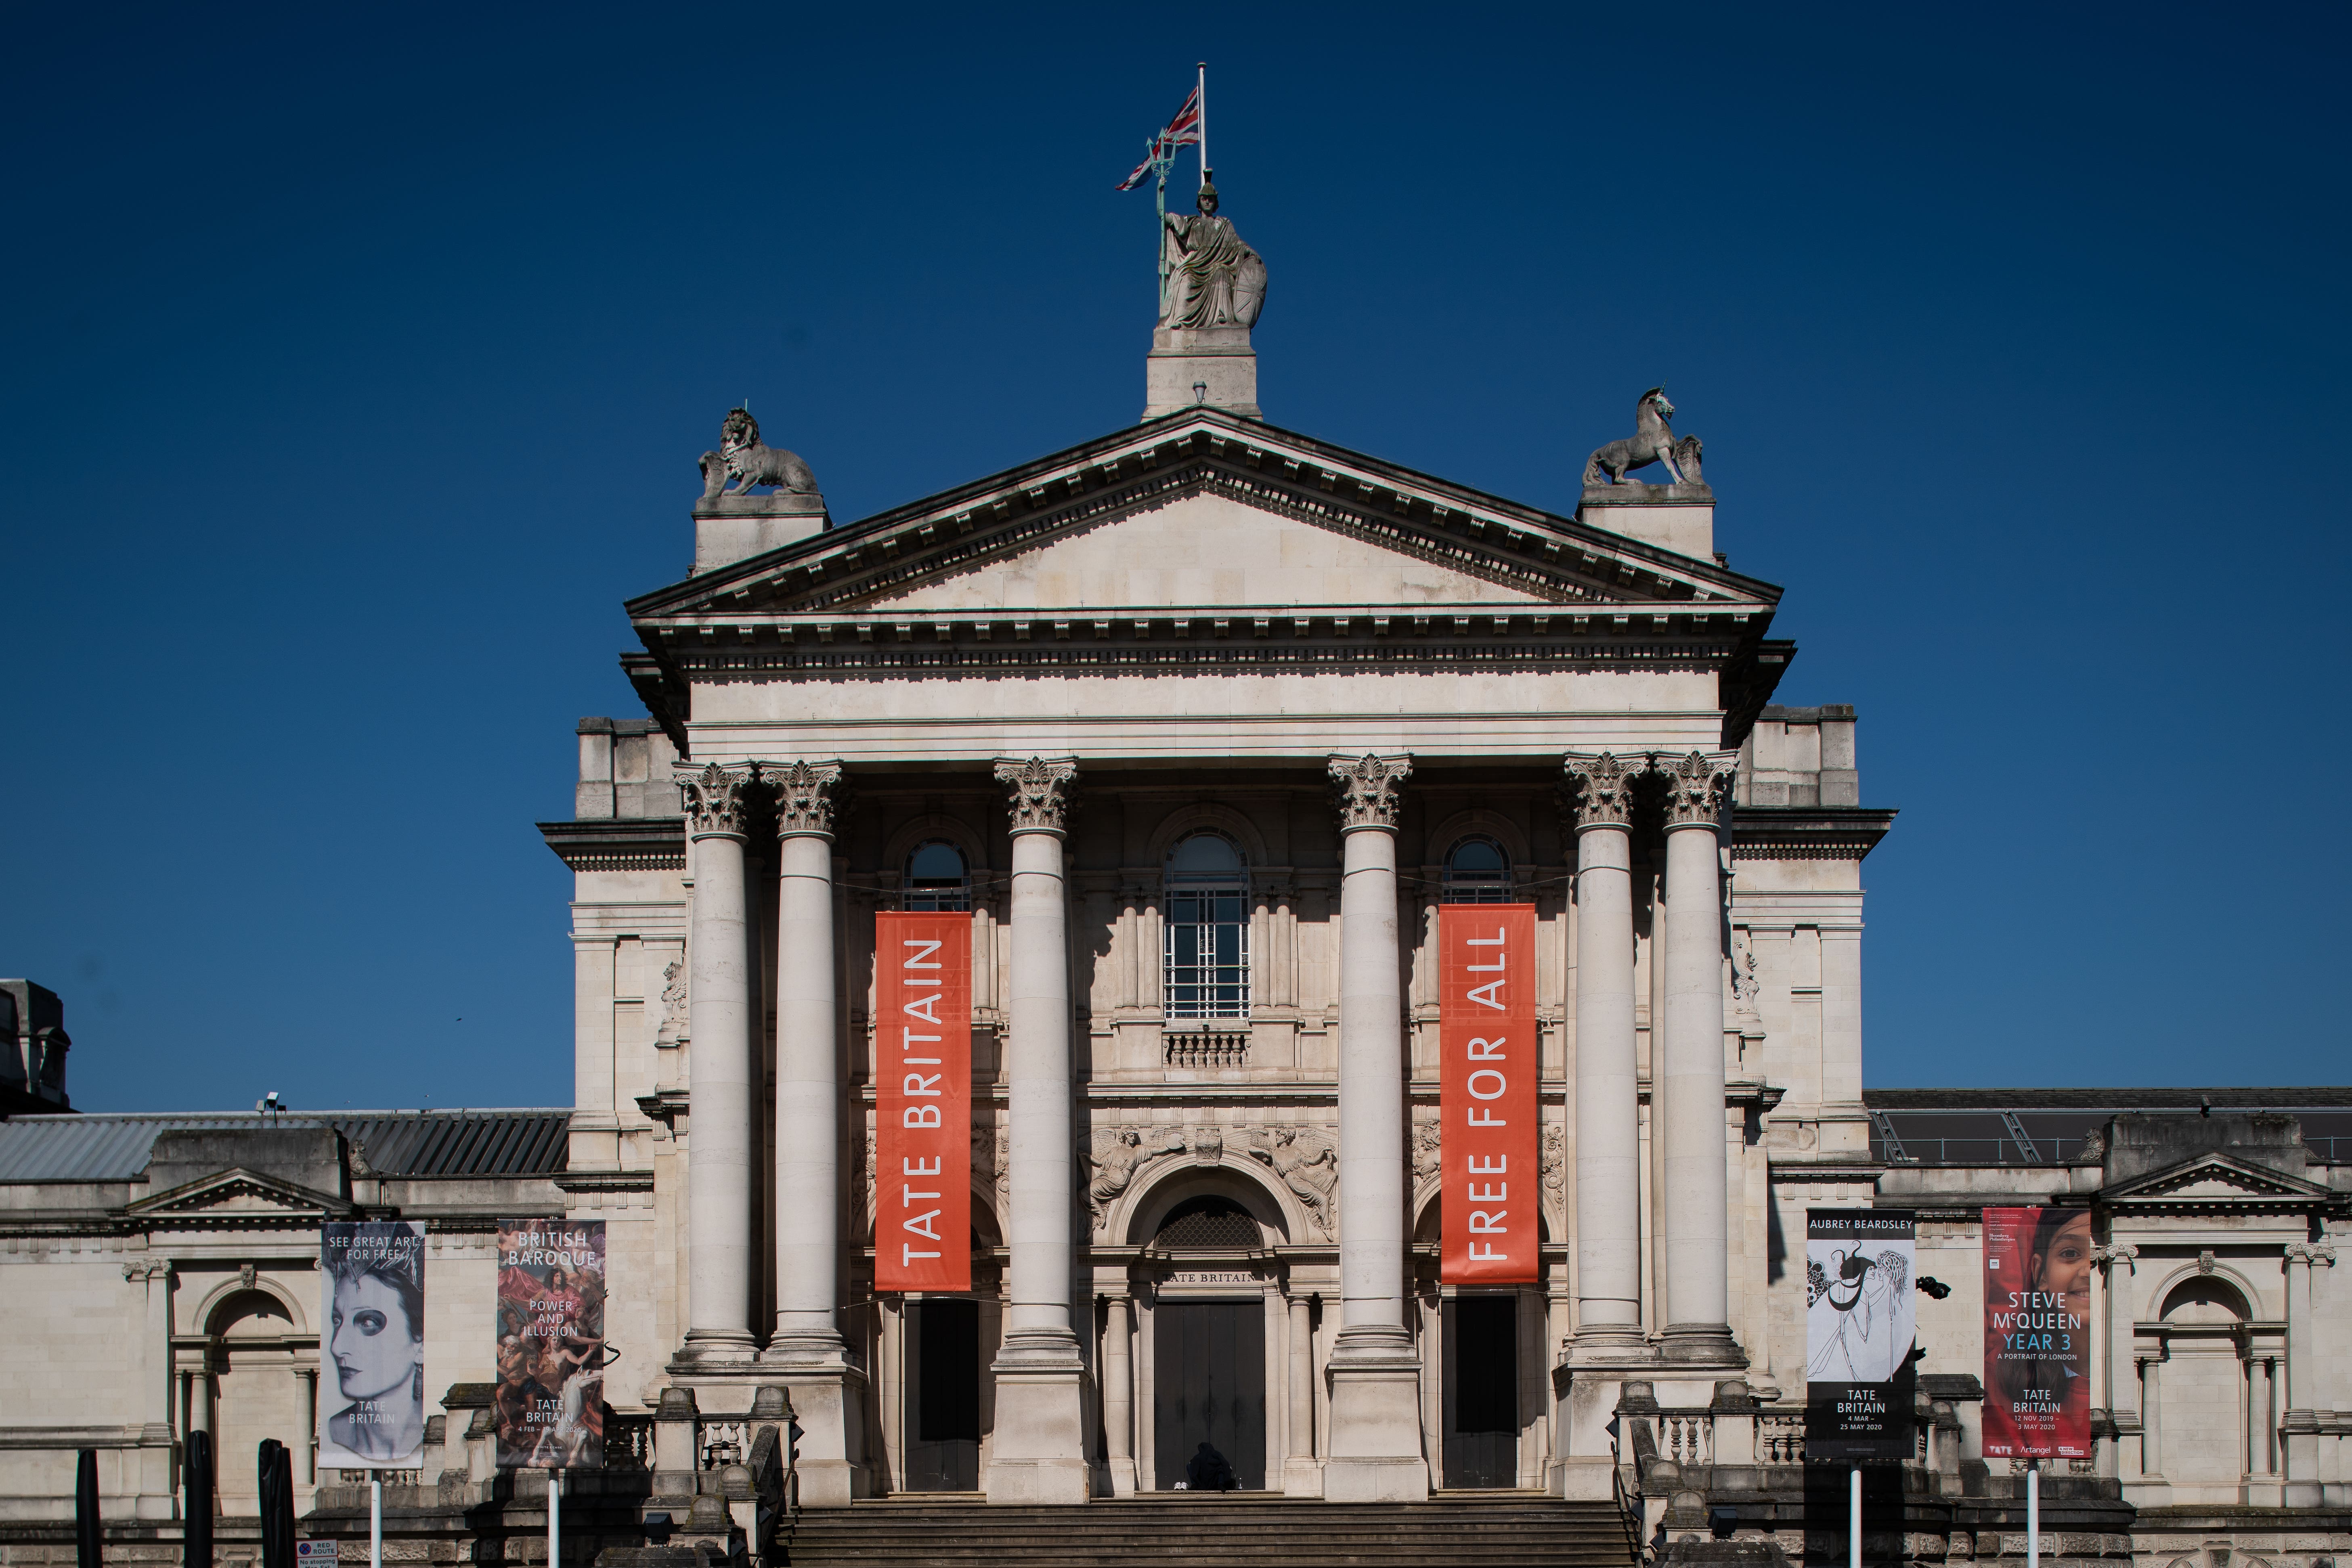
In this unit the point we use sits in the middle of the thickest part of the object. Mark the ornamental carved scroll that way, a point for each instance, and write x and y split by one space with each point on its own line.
1041 791
1369 789
1600 788
715 798
1698 786
807 794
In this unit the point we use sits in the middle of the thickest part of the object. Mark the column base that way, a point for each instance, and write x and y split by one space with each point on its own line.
705 1347
1302 1478
1119 1473
1698 1345
1037 1451
828 1395
1376 1448
1586 1394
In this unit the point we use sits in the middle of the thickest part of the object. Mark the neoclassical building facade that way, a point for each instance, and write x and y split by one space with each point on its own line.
1201 723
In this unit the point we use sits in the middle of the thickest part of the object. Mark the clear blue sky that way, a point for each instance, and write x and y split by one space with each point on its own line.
353 363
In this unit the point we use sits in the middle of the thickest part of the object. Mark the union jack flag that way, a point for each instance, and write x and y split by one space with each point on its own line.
1185 127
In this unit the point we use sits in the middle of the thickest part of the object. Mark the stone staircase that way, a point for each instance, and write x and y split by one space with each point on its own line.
1214 1532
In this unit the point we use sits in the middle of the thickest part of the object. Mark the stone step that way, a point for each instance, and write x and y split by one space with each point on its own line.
1223 1531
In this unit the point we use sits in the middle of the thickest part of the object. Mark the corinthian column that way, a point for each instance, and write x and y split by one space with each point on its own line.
1376 1442
719 1126
1038 1454
1698 1225
826 1390
1608 1114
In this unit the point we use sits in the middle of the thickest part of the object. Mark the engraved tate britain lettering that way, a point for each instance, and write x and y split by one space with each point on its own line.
1192 745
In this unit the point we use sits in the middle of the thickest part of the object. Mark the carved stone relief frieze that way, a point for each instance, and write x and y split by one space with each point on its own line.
1426 1149
1553 1162
1308 1165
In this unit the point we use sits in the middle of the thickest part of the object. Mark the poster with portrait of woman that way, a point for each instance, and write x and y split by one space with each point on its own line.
550 1403
2037 1302
372 1346
1860 1325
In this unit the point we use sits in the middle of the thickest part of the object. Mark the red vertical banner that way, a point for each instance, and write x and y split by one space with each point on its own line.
922 1093
2037 1311
1486 1092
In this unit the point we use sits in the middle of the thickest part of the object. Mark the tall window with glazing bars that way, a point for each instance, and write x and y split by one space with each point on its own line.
1205 909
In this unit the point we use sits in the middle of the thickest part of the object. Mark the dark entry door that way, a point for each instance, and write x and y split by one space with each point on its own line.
1482 1391
943 1437
1208 1386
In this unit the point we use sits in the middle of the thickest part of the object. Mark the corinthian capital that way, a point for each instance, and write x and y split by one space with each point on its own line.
1040 791
2311 1254
1369 789
715 798
1697 784
1603 787
806 793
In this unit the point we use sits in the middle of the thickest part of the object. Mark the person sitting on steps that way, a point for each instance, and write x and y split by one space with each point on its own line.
1209 1472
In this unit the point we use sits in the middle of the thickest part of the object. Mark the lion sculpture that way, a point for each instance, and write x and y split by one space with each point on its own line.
1653 441
744 460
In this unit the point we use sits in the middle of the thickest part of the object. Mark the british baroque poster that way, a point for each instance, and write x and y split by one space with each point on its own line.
2037 1303
550 1403
1860 1325
922 1100
1486 1093
371 1387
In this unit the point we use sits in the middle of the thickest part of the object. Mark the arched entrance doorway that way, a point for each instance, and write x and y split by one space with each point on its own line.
1486 1408
1208 1335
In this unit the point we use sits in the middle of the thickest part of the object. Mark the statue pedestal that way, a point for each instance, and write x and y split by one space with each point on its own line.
1212 367
730 528
1680 518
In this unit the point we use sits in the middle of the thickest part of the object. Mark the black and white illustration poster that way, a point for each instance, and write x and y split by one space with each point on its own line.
1860 1326
371 1361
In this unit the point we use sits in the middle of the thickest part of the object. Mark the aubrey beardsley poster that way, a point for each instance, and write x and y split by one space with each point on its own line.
1860 1327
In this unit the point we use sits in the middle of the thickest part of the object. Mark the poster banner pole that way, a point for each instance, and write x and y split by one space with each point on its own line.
1854 1517
375 1518
2033 1513
554 1518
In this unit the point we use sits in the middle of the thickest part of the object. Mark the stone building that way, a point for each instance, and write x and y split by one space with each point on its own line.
1203 721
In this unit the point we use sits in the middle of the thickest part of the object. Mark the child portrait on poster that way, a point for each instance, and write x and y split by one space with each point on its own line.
2038 1264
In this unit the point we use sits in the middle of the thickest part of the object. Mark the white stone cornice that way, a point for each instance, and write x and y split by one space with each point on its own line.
1600 787
715 798
1040 791
1698 786
807 794
1369 789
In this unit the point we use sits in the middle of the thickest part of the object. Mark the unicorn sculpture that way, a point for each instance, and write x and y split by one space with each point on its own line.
1653 441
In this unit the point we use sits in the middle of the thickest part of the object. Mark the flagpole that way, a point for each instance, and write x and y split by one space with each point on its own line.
1201 88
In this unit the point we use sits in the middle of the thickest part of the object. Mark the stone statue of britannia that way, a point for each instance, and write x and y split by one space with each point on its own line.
1209 278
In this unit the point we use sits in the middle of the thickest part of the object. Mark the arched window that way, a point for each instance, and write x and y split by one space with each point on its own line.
1478 872
1206 911
936 878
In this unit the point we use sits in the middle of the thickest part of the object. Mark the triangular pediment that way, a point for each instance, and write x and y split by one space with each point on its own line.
1205 511
1203 548
2214 1179
240 1194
